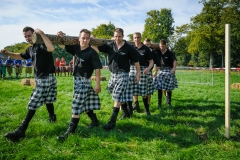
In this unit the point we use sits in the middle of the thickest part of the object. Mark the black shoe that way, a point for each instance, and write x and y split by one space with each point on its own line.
93 124
125 112
136 107
18 133
93 117
15 136
109 126
71 129
124 116
52 118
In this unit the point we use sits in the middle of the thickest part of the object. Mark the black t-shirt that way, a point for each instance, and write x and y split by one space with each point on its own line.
145 55
119 60
42 60
156 58
167 58
85 61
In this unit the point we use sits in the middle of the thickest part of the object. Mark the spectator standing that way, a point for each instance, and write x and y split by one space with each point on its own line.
28 70
63 66
57 66
18 67
9 65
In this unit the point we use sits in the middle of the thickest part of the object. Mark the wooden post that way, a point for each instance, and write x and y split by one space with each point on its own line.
71 40
227 81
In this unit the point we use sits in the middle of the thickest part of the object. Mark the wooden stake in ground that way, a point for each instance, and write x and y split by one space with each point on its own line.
71 40
227 80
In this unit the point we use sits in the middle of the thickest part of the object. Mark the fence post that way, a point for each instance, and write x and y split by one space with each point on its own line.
227 81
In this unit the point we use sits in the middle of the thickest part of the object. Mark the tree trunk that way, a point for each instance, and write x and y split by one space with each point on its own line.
70 40
211 60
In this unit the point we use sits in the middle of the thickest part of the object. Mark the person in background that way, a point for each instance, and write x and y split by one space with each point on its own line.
2 69
28 71
45 91
18 67
57 66
9 65
70 68
1 64
62 66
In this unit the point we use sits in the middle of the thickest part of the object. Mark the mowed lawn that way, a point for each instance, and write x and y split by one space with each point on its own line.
193 129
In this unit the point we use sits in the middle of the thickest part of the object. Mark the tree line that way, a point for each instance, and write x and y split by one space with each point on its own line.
199 43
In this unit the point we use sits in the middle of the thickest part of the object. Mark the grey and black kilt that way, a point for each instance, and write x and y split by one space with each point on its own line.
150 84
143 87
117 86
44 92
140 88
165 81
84 97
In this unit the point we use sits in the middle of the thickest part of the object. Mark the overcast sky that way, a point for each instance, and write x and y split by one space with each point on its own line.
70 16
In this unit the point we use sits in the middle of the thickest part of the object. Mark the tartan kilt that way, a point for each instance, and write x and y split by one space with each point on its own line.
117 85
44 92
150 85
140 88
165 81
84 97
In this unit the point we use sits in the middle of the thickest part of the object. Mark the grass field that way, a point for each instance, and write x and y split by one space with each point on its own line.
192 129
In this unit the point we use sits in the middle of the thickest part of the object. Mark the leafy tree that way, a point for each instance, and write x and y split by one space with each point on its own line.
208 30
60 52
104 31
158 25
180 49
18 47
130 37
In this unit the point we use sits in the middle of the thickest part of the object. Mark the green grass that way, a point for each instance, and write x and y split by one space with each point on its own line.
167 134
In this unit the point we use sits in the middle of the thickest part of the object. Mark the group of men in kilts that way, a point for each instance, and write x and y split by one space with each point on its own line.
131 75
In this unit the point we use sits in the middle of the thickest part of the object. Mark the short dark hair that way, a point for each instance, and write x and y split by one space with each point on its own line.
119 30
137 33
163 41
27 28
85 31
147 40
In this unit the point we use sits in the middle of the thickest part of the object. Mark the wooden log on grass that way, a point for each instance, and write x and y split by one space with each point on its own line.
28 82
102 78
235 86
72 40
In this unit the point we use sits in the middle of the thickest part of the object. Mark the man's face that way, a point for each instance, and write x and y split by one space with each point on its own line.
118 37
84 40
147 43
163 47
137 38
28 36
